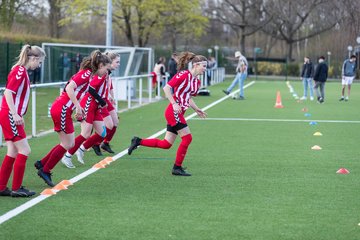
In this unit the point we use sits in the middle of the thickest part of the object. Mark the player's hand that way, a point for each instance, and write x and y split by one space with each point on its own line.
17 119
79 113
177 108
201 113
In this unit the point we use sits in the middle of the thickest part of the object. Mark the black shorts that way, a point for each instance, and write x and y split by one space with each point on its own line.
176 128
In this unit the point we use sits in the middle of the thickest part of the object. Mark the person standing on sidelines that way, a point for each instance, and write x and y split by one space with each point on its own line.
241 75
172 65
179 91
13 108
306 75
108 113
320 77
348 74
92 103
61 111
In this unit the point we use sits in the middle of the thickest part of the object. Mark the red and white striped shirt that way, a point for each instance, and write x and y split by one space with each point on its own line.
184 86
19 84
81 79
100 85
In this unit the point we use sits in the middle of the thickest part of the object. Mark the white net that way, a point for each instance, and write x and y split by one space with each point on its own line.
63 60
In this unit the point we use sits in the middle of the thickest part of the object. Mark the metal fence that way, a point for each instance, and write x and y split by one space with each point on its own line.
134 90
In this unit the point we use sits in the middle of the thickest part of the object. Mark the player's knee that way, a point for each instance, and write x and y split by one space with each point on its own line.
166 144
68 145
186 140
25 151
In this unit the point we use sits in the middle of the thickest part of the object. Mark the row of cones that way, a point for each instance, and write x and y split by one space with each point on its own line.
63 185
317 147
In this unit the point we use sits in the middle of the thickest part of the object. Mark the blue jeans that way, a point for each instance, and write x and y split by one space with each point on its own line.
239 78
307 82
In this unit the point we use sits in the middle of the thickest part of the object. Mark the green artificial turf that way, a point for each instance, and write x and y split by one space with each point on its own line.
251 179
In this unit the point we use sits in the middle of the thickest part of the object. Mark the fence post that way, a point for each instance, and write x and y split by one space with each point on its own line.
33 111
140 91
129 92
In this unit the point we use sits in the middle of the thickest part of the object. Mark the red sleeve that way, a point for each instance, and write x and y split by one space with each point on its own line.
96 82
178 79
81 77
15 78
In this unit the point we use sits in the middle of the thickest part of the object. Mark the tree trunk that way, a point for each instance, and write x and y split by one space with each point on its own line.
173 41
54 18
290 49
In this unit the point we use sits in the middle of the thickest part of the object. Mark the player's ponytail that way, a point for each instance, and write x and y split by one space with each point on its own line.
112 54
98 58
29 51
184 59
85 63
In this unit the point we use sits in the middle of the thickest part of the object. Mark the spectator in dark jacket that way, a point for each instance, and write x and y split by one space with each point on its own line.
306 75
172 66
320 77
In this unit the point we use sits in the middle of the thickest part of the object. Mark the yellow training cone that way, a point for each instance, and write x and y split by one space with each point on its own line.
318 134
316 147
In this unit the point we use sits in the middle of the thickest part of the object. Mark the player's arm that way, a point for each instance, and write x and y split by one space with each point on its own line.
71 93
10 101
199 112
168 94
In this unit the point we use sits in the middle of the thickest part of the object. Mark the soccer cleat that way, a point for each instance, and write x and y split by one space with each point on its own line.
80 156
38 165
346 99
341 99
97 150
22 192
311 98
226 92
67 162
135 142
303 98
106 147
179 171
5 192
46 177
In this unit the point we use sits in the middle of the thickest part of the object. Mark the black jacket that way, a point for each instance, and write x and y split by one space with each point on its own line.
307 70
172 67
321 72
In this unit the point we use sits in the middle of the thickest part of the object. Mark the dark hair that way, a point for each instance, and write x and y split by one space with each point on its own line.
353 56
322 57
98 58
85 63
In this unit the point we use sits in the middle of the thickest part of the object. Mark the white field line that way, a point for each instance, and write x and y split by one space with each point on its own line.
16 211
274 120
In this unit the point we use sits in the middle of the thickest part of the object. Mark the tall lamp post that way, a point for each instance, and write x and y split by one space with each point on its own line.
209 51
350 48
329 55
216 47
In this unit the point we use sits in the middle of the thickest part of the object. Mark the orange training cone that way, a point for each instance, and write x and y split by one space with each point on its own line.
278 103
60 187
48 191
66 183
98 165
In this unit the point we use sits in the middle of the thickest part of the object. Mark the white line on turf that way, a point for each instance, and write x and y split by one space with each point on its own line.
16 211
275 120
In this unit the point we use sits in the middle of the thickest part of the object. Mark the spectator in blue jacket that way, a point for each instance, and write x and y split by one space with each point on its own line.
320 77
348 75
306 75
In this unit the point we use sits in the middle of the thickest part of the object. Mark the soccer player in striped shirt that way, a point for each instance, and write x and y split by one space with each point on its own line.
179 91
61 114
13 108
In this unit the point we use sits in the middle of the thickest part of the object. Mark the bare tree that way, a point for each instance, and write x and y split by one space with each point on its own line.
245 17
294 21
8 11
